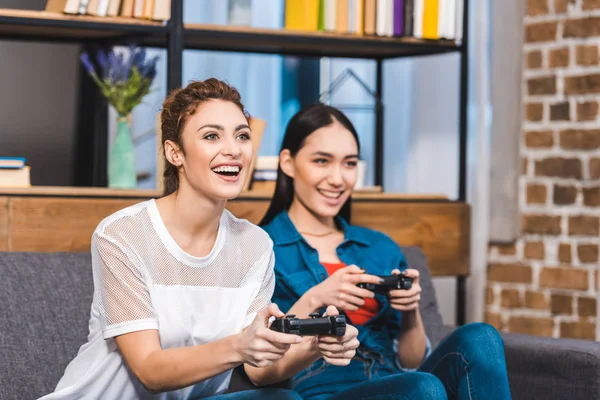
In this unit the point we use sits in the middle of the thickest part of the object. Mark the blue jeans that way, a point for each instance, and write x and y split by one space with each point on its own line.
468 365
266 394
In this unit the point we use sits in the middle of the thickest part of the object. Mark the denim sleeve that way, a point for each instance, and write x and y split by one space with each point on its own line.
397 359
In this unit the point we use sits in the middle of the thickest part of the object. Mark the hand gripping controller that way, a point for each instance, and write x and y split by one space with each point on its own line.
314 325
391 282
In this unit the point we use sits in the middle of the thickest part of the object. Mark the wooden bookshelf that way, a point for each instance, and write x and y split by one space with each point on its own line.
63 219
49 26
56 27
305 43
94 192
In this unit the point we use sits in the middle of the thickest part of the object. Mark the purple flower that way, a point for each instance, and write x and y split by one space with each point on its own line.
103 62
87 63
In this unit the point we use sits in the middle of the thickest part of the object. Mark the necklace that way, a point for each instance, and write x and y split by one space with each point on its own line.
318 234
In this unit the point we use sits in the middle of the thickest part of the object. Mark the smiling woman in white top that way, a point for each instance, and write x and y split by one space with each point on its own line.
182 287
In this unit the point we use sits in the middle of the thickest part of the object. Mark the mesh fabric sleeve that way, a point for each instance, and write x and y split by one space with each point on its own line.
124 300
263 297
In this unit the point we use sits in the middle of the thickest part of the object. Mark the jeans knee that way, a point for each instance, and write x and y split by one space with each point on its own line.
429 386
481 338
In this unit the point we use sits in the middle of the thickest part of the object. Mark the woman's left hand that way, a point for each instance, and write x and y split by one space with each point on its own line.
338 350
406 300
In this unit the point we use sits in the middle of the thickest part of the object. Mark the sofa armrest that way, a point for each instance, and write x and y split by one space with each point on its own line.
546 368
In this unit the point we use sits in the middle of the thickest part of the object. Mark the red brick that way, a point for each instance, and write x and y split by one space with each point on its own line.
531 325
537 7
541 32
509 273
539 139
560 111
587 111
559 58
590 4
586 55
559 167
535 300
574 28
534 250
564 278
580 139
578 330
507 249
564 253
560 6
584 225
594 168
544 85
534 59
561 304
582 84
536 194
510 298
587 253
493 319
534 112
541 224
591 196
564 195
586 306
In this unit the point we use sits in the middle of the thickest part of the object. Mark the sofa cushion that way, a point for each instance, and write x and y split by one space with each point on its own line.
432 319
45 301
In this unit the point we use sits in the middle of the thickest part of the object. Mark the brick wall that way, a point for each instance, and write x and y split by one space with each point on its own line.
546 283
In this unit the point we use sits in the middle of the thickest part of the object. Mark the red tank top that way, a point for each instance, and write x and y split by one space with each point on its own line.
367 311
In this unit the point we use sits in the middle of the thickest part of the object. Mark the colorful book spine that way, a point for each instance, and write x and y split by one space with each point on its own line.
408 17
398 17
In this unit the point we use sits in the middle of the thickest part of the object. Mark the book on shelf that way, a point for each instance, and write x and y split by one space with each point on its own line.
12 162
15 177
158 10
428 19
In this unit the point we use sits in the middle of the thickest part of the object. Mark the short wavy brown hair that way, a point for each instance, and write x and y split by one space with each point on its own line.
177 109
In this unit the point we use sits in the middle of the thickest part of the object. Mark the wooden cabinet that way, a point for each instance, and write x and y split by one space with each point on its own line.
63 219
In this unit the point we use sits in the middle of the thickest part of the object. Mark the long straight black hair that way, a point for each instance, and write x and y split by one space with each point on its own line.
302 124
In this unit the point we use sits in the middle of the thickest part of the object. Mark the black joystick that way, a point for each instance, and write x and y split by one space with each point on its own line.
334 325
391 282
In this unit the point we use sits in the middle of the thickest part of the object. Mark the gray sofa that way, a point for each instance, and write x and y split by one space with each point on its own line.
45 303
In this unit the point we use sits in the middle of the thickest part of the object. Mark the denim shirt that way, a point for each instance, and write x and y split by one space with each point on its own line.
297 269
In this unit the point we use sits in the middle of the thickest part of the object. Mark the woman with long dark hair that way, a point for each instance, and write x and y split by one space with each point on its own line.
320 259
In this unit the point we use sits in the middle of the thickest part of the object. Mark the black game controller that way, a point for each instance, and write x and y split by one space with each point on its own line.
391 282
314 325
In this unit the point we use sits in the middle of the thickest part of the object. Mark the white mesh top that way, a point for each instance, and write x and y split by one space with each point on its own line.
144 280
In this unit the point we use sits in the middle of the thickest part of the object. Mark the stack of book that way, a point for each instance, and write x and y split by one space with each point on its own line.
159 10
14 172
426 19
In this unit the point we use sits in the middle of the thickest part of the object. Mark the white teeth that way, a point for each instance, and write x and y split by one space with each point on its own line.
227 168
331 195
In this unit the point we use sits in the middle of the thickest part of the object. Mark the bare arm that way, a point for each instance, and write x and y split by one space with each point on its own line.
161 370
412 343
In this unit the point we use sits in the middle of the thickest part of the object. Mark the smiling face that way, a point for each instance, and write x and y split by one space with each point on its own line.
217 150
324 170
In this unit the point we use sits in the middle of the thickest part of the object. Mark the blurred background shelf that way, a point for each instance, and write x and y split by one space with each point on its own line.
305 43
46 26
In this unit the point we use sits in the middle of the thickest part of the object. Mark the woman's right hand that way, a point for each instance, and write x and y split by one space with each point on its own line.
340 289
260 346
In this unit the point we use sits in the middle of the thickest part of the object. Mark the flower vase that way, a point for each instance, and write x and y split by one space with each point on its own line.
121 162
